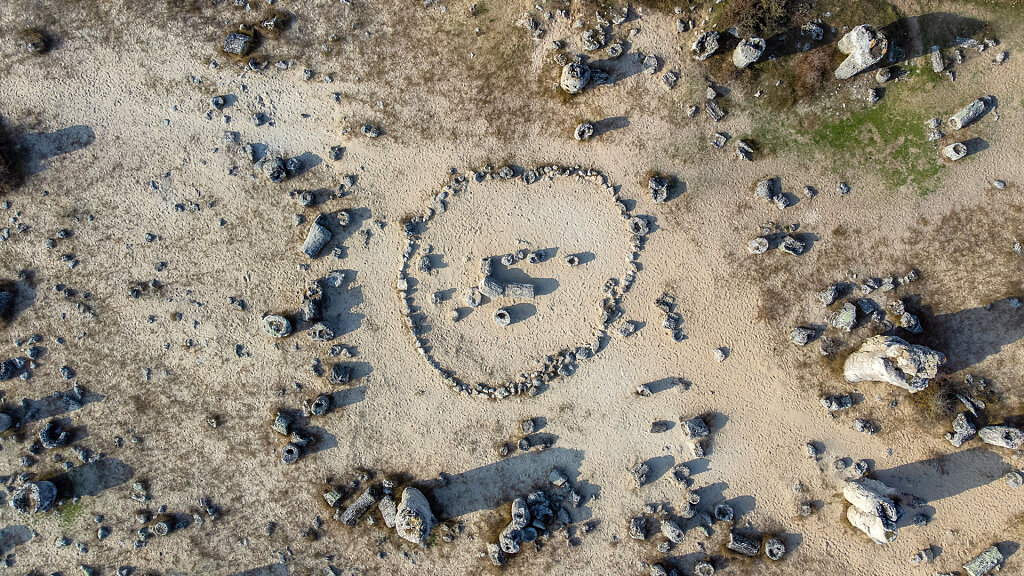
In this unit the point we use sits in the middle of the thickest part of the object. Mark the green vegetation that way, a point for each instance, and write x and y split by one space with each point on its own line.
71 512
887 138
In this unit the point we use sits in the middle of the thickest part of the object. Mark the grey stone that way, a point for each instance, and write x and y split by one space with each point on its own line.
575 77
362 504
238 44
1004 436
317 237
985 563
801 336
276 326
846 318
34 497
774 548
742 544
748 51
705 45
414 519
502 317
584 131
864 46
955 151
967 115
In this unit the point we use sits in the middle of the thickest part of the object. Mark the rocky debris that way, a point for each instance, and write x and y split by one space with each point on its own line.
575 77
770 190
837 402
891 359
658 188
238 44
985 563
925 556
883 75
963 430
748 51
614 50
638 528
846 318
792 245
720 354
362 504
704 568
955 151
340 374
317 237
967 115
521 291
639 474
714 111
670 79
651 64
742 544
496 554
774 548
1004 436
938 65
34 497
671 531
593 39
872 509
273 167
696 428
53 435
744 151
584 131
758 245
638 226
370 131
502 317
276 326
414 520
865 47
705 45
802 336
320 332
1014 479
490 287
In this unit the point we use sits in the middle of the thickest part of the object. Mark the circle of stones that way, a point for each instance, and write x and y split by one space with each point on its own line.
563 362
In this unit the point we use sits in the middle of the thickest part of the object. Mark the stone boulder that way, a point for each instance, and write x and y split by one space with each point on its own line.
34 497
575 77
748 51
865 46
893 360
1004 436
414 520
705 45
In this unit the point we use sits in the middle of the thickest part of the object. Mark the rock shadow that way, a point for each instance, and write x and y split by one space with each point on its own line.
50 406
492 485
42 146
970 336
93 478
610 124
13 536
338 302
934 29
947 475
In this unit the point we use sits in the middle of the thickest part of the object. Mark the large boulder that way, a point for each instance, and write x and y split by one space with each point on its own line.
872 509
575 77
705 45
893 360
748 51
865 46
1005 436
34 497
237 43
414 520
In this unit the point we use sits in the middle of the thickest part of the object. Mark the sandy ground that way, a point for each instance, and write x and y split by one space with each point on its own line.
120 148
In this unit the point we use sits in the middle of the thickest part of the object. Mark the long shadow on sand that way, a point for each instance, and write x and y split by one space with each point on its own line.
970 336
948 475
490 486
42 146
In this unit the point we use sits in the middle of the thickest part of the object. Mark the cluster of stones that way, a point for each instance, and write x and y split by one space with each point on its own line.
563 362
965 424
410 515
783 237
860 311
537 517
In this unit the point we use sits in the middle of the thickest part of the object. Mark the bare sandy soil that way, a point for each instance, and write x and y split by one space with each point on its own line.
122 149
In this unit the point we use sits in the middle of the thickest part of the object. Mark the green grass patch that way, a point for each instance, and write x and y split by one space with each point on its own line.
70 513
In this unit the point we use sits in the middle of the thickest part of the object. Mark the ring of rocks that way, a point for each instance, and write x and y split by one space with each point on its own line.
563 362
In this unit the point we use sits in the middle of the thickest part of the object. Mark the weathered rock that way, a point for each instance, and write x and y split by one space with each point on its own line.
340 374
584 131
714 111
490 287
638 226
639 474
1004 436
696 428
837 402
967 115
742 544
792 245
238 44
593 39
774 548
320 332
276 326
502 317
893 360
744 151
985 563
361 505
671 530
496 554
748 51
317 237
34 497
872 509
955 151
414 520
290 453
758 245
510 539
658 188
638 528
705 45
963 430
802 336
938 65
575 77
704 568
53 435
273 168
846 318
875 526
521 291
865 46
